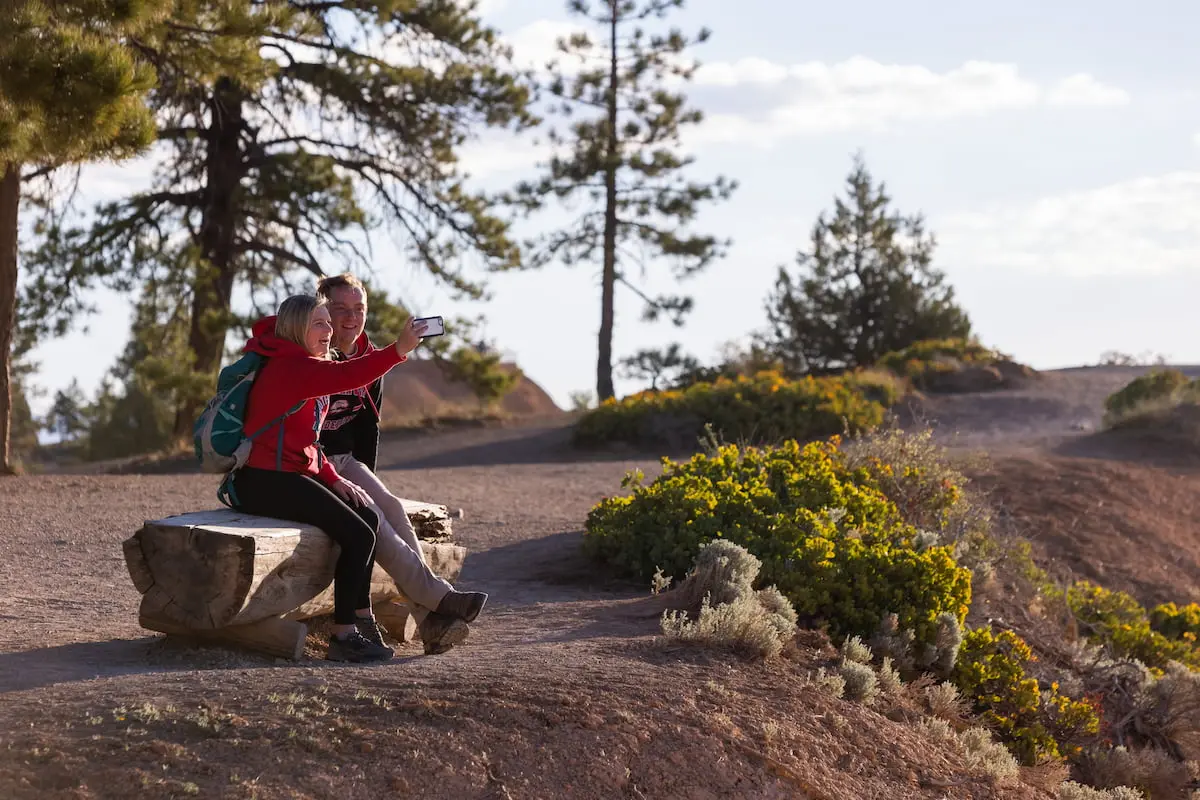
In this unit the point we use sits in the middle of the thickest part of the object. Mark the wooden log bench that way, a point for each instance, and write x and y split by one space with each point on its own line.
230 578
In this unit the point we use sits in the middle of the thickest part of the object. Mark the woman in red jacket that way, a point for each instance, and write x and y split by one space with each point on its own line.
288 477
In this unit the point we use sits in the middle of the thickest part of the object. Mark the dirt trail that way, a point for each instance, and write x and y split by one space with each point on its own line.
561 691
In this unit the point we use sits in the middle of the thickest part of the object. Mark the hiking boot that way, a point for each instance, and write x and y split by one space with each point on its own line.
440 632
356 649
464 605
369 628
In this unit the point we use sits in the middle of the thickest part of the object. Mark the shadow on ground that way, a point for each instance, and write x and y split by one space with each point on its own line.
496 447
549 568
83 661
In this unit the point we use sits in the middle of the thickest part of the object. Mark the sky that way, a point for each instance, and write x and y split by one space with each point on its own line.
1054 150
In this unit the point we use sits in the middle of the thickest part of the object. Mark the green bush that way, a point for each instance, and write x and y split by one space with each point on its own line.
836 547
1158 386
990 673
921 361
764 408
1176 622
1118 620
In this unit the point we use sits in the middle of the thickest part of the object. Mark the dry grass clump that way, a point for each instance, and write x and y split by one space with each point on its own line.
945 703
980 754
1078 791
854 649
862 686
716 605
1151 771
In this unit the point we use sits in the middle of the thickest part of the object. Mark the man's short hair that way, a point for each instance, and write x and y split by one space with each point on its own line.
327 285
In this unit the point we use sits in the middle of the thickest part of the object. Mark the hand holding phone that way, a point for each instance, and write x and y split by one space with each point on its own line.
434 326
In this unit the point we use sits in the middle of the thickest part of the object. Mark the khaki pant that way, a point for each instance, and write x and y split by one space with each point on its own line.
397 548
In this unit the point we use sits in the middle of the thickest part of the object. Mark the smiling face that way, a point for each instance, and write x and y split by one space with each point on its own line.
319 335
348 312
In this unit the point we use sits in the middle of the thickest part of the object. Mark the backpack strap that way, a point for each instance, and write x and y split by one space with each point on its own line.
225 492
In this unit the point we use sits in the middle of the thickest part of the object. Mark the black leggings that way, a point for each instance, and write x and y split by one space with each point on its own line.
301 498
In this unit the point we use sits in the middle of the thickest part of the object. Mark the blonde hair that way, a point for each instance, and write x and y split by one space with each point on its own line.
326 286
295 315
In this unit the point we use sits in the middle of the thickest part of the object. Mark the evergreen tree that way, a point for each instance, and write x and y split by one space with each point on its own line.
622 160
291 130
667 365
68 415
866 287
71 90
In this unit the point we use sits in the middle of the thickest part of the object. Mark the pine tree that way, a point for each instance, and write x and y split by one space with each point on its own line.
70 91
291 132
623 160
866 287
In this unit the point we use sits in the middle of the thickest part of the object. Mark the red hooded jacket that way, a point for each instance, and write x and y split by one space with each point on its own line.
292 376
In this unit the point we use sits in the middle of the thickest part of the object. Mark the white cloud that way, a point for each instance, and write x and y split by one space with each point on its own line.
536 44
487 8
1142 226
860 93
490 156
1084 90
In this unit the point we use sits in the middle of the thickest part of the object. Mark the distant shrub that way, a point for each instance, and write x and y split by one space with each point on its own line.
991 674
837 548
1155 388
1119 621
925 362
765 408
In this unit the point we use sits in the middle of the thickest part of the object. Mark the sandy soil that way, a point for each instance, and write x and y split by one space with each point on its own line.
563 689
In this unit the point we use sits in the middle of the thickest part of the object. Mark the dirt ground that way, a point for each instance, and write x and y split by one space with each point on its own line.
563 689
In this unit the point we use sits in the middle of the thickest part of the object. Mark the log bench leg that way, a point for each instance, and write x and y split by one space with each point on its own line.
283 638
397 620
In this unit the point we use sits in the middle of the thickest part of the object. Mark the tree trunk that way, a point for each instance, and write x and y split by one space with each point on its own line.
608 279
224 170
10 201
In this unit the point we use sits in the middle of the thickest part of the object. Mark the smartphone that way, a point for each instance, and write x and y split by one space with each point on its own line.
435 326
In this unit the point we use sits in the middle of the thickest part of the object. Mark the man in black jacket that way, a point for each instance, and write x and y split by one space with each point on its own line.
350 438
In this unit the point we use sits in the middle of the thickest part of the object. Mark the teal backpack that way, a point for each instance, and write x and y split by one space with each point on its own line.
219 435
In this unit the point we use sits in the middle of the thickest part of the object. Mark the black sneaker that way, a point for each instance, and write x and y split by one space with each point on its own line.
439 633
369 628
356 649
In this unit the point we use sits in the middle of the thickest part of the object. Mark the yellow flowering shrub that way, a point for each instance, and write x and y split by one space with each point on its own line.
1118 620
1177 622
835 545
1036 725
763 408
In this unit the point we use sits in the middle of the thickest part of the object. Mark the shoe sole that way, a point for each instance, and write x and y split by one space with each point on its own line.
475 613
364 660
456 633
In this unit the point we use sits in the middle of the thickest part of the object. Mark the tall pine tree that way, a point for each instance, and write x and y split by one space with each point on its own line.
71 90
292 130
865 288
623 159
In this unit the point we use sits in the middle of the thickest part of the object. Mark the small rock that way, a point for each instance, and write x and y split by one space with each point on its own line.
459 513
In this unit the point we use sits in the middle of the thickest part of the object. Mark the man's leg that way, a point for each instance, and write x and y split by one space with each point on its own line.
392 509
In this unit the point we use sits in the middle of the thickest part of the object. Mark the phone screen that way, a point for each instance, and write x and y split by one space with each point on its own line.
434 326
